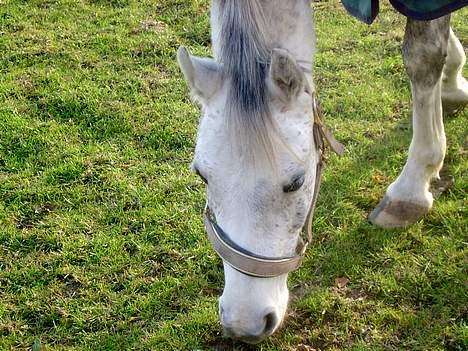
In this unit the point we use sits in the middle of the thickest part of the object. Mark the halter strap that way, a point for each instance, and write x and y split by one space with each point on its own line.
259 266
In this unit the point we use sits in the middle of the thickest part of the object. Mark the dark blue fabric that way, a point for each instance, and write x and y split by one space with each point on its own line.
424 10
427 10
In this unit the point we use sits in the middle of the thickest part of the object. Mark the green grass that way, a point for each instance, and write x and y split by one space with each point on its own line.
102 245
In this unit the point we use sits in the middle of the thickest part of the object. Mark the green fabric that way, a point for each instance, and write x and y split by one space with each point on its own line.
365 10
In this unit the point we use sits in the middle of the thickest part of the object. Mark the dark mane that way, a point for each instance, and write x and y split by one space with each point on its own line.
244 55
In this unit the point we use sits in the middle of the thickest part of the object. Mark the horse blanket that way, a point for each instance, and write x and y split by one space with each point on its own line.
423 10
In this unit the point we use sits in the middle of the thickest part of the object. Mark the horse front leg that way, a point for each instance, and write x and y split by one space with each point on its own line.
408 197
454 85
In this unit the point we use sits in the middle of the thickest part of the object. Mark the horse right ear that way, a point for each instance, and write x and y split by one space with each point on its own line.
202 74
286 77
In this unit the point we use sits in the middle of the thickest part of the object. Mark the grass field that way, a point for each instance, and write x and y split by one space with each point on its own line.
101 243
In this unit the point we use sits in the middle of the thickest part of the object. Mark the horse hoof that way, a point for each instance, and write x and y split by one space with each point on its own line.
396 214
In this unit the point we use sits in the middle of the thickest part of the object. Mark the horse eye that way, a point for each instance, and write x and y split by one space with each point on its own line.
295 184
201 176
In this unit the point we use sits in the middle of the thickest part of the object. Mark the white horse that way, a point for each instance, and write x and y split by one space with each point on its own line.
257 145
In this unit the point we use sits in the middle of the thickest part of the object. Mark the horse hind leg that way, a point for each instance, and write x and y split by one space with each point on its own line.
408 197
454 85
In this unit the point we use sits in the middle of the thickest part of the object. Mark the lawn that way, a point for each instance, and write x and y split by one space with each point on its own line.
102 245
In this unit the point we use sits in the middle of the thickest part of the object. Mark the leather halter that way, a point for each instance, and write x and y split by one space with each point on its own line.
259 266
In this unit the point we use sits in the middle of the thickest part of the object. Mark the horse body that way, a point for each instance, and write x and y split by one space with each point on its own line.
256 150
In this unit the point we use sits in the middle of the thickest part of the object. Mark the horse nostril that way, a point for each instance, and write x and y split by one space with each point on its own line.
271 320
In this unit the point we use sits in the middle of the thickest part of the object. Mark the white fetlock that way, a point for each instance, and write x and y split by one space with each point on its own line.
455 98
454 85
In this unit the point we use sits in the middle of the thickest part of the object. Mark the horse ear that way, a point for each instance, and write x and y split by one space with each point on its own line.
202 74
286 77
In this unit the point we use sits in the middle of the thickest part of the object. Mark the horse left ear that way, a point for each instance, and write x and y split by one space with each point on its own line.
202 74
286 76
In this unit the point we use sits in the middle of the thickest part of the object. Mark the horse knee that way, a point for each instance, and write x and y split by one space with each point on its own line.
425 50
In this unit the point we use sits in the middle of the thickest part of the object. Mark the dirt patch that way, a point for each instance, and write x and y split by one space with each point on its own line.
151 26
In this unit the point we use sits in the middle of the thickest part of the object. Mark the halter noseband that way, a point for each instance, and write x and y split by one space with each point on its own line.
258 266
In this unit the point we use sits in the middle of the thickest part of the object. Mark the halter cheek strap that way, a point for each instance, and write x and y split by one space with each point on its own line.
259 266
321 134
